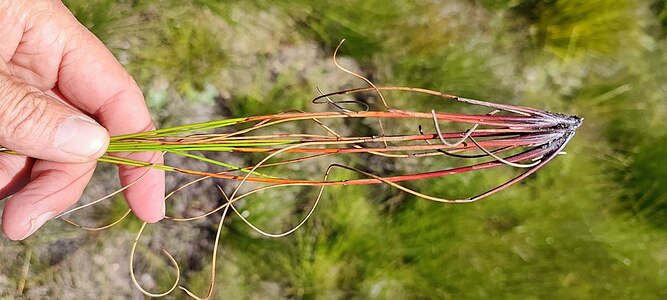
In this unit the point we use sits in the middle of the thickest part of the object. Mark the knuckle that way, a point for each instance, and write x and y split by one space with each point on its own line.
22 112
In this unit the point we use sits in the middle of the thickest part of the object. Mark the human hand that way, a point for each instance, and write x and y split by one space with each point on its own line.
53 72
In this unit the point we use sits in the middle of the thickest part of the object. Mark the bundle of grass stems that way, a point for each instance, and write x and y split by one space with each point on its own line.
505 135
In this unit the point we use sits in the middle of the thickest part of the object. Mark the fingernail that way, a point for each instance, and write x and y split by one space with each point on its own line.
81 137
37 222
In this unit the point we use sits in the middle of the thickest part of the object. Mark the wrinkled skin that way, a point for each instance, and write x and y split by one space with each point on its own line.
52 69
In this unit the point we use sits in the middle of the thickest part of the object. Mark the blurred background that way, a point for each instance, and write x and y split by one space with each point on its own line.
591 224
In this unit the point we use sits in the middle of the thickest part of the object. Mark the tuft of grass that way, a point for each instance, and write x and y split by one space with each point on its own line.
570 28
646 196
659 7
436 47
364 24
107 19
182 51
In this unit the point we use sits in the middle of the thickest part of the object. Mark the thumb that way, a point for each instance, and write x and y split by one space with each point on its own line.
36 125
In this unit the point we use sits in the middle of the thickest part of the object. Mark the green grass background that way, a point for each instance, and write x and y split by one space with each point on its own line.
590 225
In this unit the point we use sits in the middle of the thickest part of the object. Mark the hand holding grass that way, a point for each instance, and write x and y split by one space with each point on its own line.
54 72
55 75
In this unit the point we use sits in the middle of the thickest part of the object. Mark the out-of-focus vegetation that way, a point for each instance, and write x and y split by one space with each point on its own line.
589 225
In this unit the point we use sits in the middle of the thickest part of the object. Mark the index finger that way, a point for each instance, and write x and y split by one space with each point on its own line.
93 80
